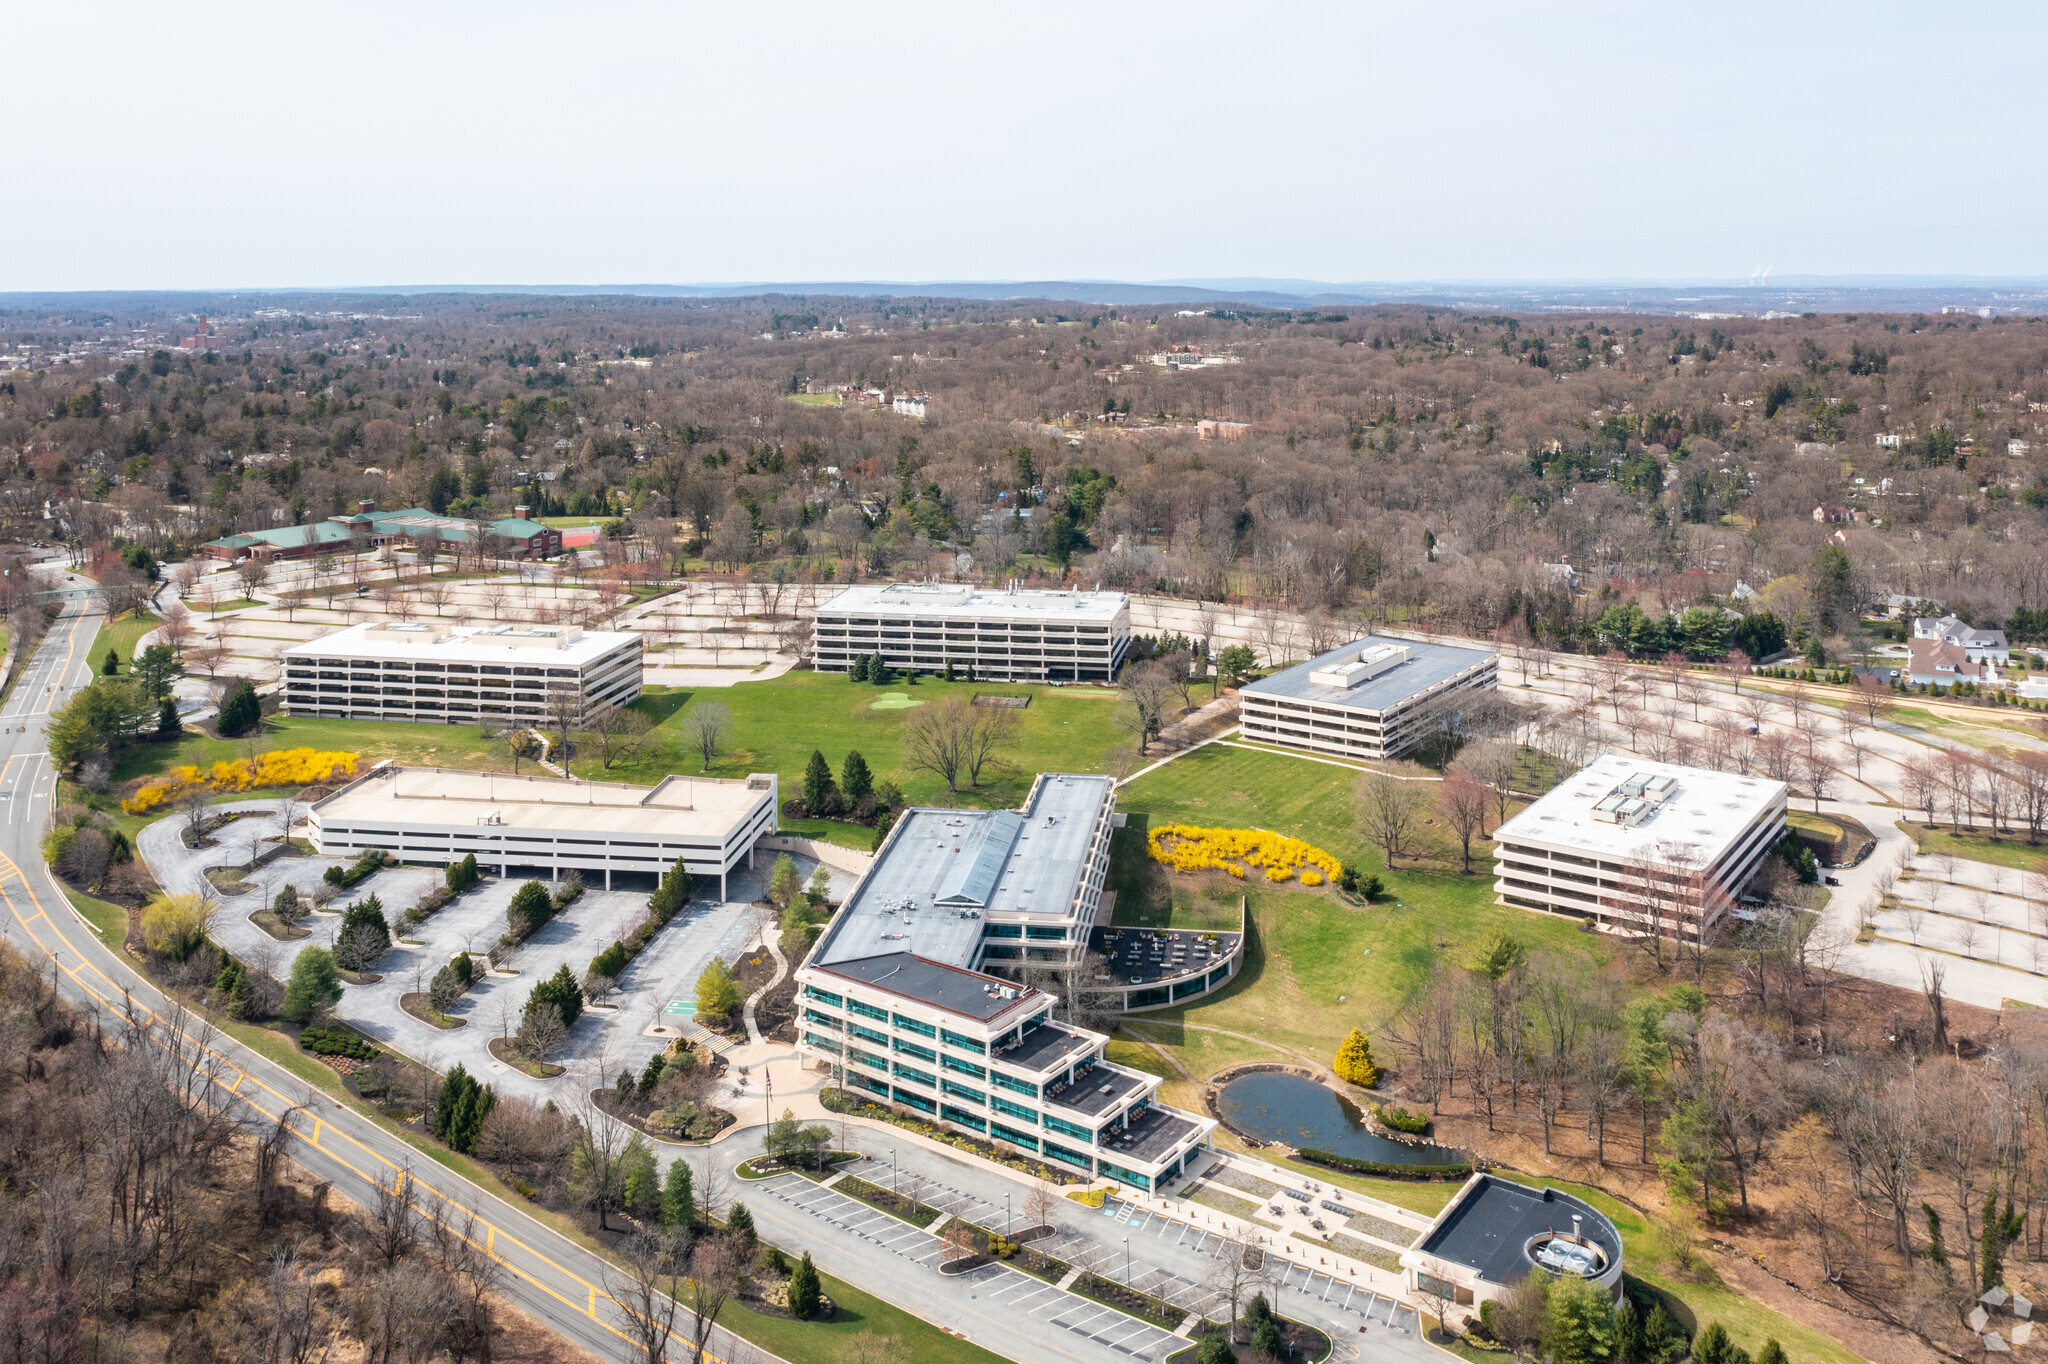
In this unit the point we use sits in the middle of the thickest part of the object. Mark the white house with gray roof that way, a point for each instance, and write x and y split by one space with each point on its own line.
1365 700
900 997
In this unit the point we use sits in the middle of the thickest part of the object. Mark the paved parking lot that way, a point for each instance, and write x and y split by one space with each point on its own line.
1020 1295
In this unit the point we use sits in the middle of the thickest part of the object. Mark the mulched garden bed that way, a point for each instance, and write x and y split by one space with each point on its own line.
895 1204
1297 1342
421 1006
501 1050
1142 1305
270 924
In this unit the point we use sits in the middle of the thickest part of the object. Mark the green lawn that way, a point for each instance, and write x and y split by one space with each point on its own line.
815 399
779 721
110 921
2007 850
121 636
1319 966
431 745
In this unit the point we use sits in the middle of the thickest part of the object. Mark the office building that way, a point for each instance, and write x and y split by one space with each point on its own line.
1015 635
900 995
426 672
1494 1231
1371 699
1640 846
547 826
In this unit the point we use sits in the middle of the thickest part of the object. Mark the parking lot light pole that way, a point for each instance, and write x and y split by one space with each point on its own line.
1127 1262
1006 1212
892 1170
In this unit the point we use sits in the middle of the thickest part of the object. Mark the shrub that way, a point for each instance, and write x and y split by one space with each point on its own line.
366 865
718 996
1401 1120
288 908
1186 847
1353 1062
611 961
174 925
460 876
530 908
315 983
671 895
337 1041
1385 1169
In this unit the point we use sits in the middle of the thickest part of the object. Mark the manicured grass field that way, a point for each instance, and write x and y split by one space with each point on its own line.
428 745
1320 965
779 721
2006 850
121 636
815 399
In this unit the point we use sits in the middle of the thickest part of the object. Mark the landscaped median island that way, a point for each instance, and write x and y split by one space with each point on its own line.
895 1204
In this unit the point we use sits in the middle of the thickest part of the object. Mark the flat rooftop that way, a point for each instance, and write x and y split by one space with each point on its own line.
943 872
1700 809
958 991
1098 1091
555 646
1487 1228
1045 1047
909 600
678 807
1427 665
1152 1135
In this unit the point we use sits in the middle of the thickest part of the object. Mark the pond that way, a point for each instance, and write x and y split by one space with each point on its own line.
1275 1106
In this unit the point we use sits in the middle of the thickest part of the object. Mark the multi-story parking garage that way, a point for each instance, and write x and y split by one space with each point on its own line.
425 672
1010 636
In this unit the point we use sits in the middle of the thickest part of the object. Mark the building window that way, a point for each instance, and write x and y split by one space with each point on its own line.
912 1049
912 1025
961 1116
954 1039
1072 1129
1434 1287
1013 1136
1013 1084
954 1063
960 1091
917 1101
868 1034
1002 1105
1061 1153
912 1073
868 1010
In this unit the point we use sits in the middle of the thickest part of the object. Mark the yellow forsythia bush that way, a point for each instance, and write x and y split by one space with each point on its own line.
278 767
1185 847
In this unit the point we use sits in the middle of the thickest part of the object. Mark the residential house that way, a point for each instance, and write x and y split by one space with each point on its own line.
1978 645
1939 663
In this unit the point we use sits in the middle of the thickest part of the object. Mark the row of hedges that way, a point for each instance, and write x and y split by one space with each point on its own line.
365 866
667 901
337 1041
1456 1170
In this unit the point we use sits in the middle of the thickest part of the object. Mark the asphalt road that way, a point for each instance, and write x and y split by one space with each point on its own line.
549 1277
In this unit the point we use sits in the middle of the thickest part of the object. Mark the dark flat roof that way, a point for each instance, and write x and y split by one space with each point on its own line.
951 988
1153 1134
1487 1229
1044 1047
1427 665
1086 1095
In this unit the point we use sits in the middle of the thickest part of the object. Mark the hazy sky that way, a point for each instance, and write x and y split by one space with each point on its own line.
223 145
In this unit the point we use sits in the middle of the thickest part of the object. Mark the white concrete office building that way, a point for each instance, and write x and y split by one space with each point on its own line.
426 672
1365 700
1012 635
1640 846
895 998
547 825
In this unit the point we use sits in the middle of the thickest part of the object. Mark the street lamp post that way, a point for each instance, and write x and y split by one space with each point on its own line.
892 1169
1127 1262
1006 1212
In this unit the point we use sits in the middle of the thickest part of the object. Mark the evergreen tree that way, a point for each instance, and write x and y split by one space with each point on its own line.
1772 1353
1628 1332
803 1289
1214 1349
1354 1062
1266 1339
2000 1231
112 663
855 781
241 712
560 990
859 671
368 914
1712 1345
288 908
740 1225
315 982
818 788
671 895
167 721
642 1179
678 1205
531 907
878 671
651 1076
1578 1326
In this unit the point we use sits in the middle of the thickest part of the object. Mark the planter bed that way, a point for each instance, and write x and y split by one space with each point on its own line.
895 1204
421 1007
1303 1343
1143 1306
268 922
